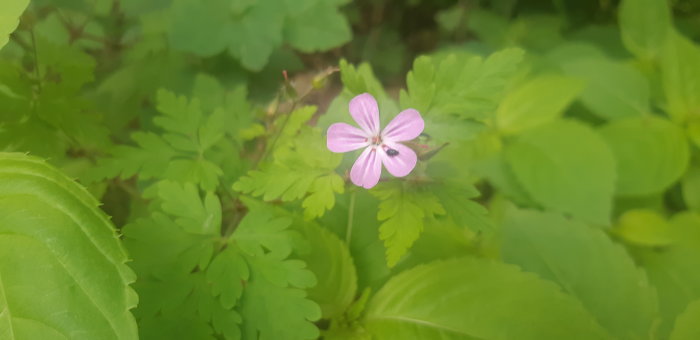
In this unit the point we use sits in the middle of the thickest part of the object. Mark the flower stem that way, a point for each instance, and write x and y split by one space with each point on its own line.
351 213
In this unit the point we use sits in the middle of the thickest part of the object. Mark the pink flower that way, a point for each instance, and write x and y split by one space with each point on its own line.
380 147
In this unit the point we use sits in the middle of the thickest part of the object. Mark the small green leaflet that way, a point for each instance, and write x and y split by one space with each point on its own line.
10 11
403 211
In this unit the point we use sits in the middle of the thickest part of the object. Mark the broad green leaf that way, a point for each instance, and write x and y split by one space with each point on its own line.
680 76
613 90
199 28
651 154
476 299
644 227
10 11
687 326
645 25
587 265
329 259
402 211
320 27
62 267
536 102
673 270
566 167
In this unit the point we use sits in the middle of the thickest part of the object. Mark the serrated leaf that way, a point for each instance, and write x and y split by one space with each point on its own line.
645 25
566 167
193 214
527 106
329 259
402 211
226 274
587 265
472 299
55 240
322 195
651 154
687 327
260 232
613 90
465 86
9 19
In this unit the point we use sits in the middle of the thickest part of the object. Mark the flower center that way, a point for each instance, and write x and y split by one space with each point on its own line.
376 140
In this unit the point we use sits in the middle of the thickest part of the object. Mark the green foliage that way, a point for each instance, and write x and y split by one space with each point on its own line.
403 211
252 30
461 85
651 154
566 167
62 267
524 108
686 325
645 25
680 72
471 299
587 265
11 11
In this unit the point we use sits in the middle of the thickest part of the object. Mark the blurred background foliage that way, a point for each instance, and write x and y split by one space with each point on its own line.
561 140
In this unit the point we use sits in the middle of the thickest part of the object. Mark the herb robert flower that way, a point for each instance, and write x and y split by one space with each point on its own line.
380 147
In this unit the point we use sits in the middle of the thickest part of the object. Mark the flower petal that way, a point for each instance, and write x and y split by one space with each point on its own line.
405 126
400 164
365 112
367 169
343 137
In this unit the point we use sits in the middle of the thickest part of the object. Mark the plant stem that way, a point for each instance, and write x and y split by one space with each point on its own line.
351 214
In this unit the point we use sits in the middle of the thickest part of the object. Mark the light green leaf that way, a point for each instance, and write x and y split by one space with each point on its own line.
691 189
566 167
536 102
673 270
680 76
192 213
62 267
473 299
644 227
259 233
403 210
651 154
687 326
320 27
322 195
466 86
587 265
10 11
613 90
644 25
329 259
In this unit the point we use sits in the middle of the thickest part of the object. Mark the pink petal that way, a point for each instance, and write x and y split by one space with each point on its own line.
365 112
405 126
367 169
401 164
343 137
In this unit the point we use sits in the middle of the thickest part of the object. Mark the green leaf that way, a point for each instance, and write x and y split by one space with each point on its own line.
403 210
613 90
687 327
9 19
645 25
473 299
320 27
673 270
199 28
59 257
644 227
193 214
527 106
466 86
329 259
566 167
651 154
680 76
691 189
587 265
322 195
